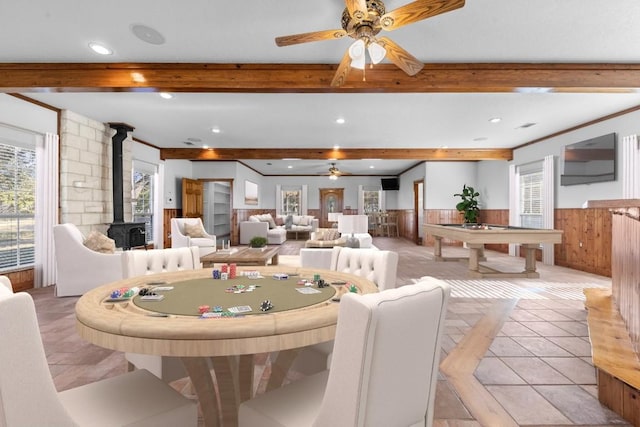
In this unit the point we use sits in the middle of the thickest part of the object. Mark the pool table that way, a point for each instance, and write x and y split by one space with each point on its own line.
477 236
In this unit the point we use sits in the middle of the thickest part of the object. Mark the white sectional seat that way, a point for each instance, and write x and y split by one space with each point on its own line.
275 229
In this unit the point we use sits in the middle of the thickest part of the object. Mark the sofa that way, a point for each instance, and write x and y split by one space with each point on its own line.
325 238
275 229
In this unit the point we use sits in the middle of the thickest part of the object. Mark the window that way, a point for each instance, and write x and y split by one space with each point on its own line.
372 201
17 206
143 199
531 200
291 202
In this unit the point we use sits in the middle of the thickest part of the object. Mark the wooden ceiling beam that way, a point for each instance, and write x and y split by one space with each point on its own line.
469 154
314 78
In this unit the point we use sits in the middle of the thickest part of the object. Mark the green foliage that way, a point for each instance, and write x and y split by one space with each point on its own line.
469 204
258 242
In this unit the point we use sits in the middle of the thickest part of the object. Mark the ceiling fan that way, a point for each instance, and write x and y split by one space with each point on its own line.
362 20
334 172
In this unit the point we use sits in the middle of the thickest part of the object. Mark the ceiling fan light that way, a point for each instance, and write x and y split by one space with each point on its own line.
357 54
376 52
333 177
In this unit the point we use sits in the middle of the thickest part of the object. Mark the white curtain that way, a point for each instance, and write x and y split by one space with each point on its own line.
514 204
158 208
548 206
630 167
46 209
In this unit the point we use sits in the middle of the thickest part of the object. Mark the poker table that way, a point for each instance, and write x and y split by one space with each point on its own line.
477 236
224 345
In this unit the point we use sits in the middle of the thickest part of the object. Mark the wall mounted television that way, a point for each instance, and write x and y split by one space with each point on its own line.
390 183
586 162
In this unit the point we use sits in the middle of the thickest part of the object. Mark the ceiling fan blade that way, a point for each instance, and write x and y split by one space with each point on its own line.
417 11
403 59
357 9
343 69
310 37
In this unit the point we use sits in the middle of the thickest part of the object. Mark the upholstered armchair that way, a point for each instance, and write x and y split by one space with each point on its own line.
186 232
29 396
80 269
384 369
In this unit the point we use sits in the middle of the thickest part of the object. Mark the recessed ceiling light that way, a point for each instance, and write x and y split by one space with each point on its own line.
289 167
100 49
336 147
147 34
215 130
444 147
495 120
205 146
166 95
289 159
332 159
372 167
340 121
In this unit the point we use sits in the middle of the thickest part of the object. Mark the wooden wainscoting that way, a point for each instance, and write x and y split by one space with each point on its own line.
586 243
166 224
22 280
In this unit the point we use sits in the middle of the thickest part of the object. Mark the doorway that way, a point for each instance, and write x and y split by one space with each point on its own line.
331 200
418 209
217 208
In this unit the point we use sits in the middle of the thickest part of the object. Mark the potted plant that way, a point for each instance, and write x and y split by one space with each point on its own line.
258 242
469 204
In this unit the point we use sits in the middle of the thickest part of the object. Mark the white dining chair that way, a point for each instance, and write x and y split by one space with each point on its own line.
154 261
28 396
384 370
380 267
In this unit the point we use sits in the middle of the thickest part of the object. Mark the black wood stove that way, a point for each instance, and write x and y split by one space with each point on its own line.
126 234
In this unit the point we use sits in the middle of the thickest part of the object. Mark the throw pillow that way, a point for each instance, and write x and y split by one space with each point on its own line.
304 220
193 230
100 243
279 221
288 222
331 234
272 223
319 235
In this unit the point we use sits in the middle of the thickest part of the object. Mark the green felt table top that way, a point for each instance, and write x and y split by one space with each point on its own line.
187 296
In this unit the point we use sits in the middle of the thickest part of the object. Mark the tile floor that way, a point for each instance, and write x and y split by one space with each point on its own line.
520 347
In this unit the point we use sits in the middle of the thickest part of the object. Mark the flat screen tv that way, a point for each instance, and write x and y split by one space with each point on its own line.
390 183
593 160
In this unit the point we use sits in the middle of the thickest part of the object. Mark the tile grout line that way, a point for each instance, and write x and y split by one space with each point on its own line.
461 363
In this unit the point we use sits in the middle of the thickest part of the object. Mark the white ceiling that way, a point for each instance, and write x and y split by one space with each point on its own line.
593 31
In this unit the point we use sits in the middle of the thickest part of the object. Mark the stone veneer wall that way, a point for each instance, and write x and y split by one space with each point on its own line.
86 198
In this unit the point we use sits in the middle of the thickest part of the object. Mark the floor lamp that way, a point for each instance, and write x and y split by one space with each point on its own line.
353 224
333 217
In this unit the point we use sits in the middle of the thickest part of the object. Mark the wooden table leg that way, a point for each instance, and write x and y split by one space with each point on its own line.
274 260
245 376
280 367
226 372
437 247
530 257
200 375
476 252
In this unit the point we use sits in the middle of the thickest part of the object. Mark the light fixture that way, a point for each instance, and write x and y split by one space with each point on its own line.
372 167
166 95
340 121
333 218
100 49
353 224
357 53
215 130
205 146
495 120
289 167
333 177
336 147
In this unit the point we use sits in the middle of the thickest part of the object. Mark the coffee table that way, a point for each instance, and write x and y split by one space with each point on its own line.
243 256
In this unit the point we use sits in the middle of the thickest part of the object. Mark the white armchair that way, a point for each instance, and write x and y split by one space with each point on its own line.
80 269
186 232
29 396
384 370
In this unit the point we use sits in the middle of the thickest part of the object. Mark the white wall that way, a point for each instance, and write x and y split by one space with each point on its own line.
574 196
444 179
174 171
405 195
26 115
493 184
